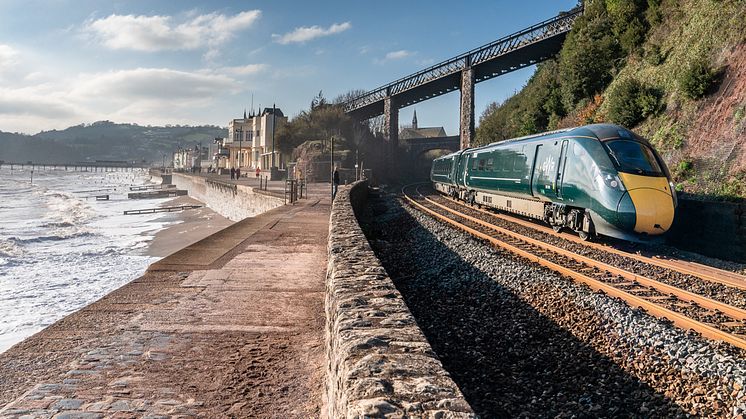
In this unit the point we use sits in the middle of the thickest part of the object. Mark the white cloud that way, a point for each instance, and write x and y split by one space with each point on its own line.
397 55
159 33
8 55
9 59
245 70
394 55
153 83
306 33
142 95
33 102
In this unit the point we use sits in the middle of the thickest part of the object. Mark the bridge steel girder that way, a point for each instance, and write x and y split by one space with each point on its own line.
513 52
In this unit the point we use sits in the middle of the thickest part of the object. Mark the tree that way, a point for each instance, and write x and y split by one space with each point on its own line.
588 57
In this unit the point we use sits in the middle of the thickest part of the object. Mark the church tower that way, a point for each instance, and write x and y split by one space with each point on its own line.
414 120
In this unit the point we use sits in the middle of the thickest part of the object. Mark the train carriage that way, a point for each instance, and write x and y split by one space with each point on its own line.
596 179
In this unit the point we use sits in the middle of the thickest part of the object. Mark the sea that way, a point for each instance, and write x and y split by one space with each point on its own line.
61 248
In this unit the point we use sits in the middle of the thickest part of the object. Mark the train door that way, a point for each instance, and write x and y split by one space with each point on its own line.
559 179
532 178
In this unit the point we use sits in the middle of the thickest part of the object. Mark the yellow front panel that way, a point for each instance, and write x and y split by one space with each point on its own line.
653 202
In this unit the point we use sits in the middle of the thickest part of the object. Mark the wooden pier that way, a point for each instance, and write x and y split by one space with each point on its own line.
164 193
149 187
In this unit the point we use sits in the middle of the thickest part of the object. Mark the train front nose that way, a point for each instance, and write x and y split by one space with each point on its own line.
653 202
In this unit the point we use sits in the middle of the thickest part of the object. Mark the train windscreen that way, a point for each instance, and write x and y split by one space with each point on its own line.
633 157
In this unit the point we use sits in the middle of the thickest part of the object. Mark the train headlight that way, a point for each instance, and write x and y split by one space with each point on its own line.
613 182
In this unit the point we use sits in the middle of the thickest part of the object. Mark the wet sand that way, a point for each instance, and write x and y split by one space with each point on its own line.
194 225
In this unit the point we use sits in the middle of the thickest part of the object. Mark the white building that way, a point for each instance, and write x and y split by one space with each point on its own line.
250 140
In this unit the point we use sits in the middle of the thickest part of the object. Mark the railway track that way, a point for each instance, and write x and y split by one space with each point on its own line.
690 311
703 272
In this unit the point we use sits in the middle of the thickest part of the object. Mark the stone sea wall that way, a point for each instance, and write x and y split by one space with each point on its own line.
379 363
234 202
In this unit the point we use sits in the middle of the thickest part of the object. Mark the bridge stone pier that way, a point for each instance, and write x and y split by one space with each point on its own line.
467 106
391 130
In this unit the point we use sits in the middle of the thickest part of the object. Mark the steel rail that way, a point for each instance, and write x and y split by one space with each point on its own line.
684 295
719 276
678 319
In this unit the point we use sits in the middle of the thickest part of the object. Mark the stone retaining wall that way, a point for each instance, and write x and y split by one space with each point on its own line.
378 361
234 202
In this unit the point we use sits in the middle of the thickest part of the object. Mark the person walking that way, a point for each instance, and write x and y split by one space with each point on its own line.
238 173
336 182
258 171
233 173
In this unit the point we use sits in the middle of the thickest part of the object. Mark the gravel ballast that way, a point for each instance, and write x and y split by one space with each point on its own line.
520 340
719 292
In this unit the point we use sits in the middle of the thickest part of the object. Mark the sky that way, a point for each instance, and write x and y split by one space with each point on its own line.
152 62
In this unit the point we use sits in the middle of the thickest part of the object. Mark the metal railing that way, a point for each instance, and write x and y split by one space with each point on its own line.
538 32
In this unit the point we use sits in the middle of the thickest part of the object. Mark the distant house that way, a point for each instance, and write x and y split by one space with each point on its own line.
249 141
414 131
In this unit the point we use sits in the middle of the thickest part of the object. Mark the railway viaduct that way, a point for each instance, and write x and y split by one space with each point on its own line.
513 52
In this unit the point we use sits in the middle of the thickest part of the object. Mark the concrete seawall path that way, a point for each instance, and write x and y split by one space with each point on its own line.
229 326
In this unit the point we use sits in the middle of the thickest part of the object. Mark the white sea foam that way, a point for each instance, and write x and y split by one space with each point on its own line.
61 250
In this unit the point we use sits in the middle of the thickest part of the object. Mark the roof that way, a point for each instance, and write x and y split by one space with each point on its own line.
426 132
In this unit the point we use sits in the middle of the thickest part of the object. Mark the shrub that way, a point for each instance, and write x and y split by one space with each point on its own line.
683 171
630 102
739 114
697 79
650 102
653 55
588 56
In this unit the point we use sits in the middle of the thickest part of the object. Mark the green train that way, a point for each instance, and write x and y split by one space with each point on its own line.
598 179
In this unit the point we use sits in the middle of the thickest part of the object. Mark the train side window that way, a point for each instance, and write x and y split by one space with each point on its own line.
490 164
519 163
481 164
507 163
475 165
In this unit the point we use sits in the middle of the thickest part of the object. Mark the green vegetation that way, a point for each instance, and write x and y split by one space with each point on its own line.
630 102
650 65
669 136
309 133
105 140
697 79
320 122
683 171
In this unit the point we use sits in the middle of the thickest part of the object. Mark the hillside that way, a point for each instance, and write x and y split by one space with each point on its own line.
672 70
104 140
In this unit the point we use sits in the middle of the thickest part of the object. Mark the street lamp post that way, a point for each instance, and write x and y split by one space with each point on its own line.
274 111
240 145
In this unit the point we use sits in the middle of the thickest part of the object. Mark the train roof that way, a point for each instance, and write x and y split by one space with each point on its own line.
600 132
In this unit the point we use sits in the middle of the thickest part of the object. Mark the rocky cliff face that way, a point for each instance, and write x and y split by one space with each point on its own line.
672 70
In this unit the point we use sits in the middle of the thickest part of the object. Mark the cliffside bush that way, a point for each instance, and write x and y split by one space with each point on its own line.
697 78
630 102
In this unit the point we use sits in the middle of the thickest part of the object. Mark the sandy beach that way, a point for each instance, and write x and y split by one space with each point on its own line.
195 225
